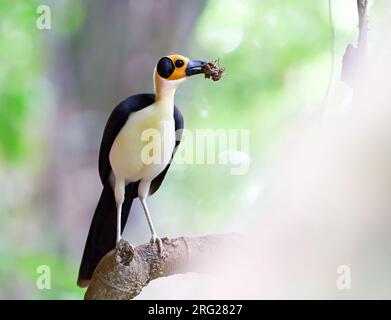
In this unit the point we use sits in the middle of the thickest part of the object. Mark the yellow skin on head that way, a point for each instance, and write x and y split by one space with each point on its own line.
178 73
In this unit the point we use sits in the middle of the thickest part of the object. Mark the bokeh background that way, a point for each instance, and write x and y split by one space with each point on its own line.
58 86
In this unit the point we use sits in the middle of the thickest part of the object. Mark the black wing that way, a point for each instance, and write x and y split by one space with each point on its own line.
114 124
179 124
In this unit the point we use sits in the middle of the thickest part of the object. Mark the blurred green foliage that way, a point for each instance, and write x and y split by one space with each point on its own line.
20 61
258 42
22 68
19 274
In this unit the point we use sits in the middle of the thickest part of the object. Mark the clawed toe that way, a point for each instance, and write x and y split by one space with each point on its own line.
159 243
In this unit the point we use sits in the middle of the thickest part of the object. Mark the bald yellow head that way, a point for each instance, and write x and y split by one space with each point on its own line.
175 67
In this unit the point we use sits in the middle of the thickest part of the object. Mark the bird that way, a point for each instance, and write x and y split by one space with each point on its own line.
127 167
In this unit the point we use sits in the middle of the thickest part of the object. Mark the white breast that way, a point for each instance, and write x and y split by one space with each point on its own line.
144 146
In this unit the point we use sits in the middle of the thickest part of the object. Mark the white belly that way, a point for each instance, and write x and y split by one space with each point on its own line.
144 146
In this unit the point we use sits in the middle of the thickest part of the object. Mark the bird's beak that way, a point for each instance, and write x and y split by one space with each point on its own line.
194 67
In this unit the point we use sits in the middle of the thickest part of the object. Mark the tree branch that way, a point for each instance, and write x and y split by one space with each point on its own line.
354 59
126 270
362 26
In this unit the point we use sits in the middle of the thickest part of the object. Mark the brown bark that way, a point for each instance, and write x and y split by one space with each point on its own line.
126 270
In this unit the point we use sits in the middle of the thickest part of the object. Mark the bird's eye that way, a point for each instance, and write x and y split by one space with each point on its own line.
179 63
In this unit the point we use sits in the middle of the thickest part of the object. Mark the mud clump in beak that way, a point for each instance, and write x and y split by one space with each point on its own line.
213 70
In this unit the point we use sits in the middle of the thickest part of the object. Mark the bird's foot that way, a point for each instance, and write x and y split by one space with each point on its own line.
162 251
125 252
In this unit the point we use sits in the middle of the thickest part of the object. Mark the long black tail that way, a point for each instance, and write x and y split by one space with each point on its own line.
102 235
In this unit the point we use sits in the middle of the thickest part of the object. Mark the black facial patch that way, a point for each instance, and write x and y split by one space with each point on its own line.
165 67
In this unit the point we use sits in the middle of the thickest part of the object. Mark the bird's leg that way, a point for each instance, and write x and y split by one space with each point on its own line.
119 193
154 236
